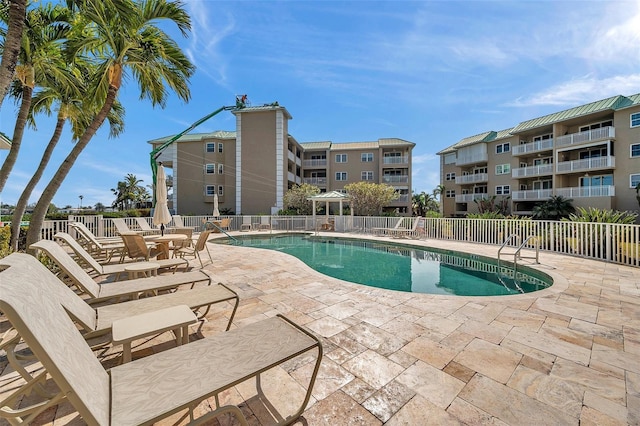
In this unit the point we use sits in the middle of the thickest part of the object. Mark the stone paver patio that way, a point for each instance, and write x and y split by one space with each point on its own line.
567 355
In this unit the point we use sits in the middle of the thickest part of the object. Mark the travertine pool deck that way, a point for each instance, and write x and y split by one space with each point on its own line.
567 355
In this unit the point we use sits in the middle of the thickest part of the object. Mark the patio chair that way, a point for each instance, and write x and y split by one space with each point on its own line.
148 389
145 227
137 248
246 224
407 232
130 289
385 231
86 259
201 244
265 223
106 248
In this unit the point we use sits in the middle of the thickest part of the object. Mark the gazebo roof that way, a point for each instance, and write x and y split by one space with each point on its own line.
330 196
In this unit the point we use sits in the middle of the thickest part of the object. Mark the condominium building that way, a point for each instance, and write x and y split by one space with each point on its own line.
590 154
251 168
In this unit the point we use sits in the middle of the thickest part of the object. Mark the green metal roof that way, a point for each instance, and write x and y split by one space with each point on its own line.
611 103
394 141
503 134
354 145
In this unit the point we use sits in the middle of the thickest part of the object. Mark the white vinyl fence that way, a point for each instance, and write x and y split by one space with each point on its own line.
602 241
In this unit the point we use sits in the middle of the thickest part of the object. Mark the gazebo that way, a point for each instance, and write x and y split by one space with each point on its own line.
329 197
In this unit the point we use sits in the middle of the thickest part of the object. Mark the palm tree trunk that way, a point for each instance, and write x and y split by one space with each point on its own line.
18 212
17 15
37 218
18 132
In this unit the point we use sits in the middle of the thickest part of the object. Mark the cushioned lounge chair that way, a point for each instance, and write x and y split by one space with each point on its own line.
265 223
146 390
246 224
100 247
86 259
119 289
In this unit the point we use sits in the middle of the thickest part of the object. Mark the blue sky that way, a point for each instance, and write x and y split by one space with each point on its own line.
428 72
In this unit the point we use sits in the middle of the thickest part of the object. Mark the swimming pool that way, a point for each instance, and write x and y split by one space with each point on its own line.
404 268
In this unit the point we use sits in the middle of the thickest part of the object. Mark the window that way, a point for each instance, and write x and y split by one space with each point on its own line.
480 189
220 146
503 189
341 158
599 180
542 137
593 126
503 169
504 147
210 190
635 119
450 176
593 153
210 168
341 175
635 150
211 147
220 190
479 170
366 176
634 180
450 193
366 157
220 169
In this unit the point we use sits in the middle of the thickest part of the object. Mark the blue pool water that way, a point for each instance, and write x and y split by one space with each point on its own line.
404 268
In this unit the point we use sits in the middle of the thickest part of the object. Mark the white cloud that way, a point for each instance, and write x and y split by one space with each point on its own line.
582 90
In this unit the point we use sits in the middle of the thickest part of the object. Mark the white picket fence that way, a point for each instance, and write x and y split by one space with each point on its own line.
608 242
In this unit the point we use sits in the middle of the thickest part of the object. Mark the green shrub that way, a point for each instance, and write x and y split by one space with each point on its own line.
5 237
592 214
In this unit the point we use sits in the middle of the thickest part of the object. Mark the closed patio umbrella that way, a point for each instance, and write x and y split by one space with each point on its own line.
216 212
161 214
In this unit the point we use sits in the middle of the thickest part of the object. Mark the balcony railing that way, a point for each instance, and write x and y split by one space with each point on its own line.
315 180
468 198
532 194
315 163
471 159
588 136
395 179
402 199
529 148
474 178
587 191
395 160
539 170
586 164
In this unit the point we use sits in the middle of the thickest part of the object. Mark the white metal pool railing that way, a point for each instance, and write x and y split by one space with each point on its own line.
615 243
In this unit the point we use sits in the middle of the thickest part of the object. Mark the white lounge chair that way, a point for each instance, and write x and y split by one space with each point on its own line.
86 259
385 231
146 390
145 227
101 247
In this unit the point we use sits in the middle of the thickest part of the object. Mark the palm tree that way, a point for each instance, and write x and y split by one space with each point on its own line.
11 47
39 58
638 193
122 37
555 208
70 108
129 192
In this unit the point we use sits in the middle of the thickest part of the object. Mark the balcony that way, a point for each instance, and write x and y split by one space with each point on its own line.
533 194
294 178
315 163
395 179
468 198
404 198
587 191
404 159
533 147
320 181
474 178
588 136
472 159
539 170
587 164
